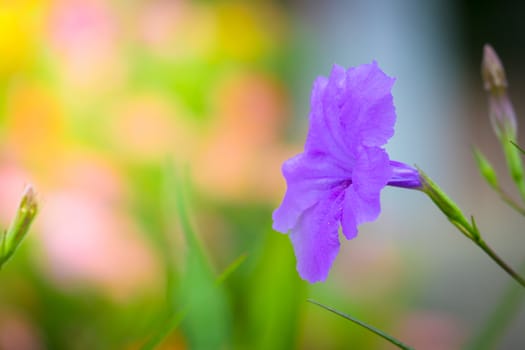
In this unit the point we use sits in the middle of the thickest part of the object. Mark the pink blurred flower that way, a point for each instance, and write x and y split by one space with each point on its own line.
240 155
162 22
84 35
431 330
86 238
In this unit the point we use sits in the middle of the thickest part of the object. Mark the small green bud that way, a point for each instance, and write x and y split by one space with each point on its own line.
486 169
25 215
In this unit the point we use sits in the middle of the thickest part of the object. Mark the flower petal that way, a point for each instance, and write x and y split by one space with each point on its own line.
349 109
316 239
404 175
309 178
368 113
362 198
324 133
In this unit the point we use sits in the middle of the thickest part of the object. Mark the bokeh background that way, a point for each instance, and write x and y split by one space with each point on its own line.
111 108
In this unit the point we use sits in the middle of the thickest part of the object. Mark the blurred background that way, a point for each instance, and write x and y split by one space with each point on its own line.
106 105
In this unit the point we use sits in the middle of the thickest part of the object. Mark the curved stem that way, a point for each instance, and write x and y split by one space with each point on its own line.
471 232
372 329
487 249
507 199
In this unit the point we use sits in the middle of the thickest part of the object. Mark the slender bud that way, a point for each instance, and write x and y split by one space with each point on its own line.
501 112
492 70
448 207
486 169
25 215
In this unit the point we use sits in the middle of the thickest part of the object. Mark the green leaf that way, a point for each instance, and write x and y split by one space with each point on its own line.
173 321
198 303
274 296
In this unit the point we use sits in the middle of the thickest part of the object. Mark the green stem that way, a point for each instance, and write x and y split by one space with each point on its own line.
465 226
521 188
487 249
372 329
514 164
472 233
507 199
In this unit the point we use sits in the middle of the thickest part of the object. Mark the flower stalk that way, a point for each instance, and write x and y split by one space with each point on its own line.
489 174
467 227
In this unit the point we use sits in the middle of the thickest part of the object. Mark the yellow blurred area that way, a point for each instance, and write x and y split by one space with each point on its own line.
21 27
247 31
35 127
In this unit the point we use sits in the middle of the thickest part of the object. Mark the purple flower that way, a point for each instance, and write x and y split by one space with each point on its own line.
338 178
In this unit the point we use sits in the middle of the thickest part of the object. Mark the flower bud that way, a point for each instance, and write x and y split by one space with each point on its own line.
25 214
501 112
486 169
492 71
447 206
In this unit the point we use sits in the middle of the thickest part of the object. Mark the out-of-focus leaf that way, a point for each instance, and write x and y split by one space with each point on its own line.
198 303
275 297
207 323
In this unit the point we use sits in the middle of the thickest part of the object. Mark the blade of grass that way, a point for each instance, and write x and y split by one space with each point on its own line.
166 329
199 298
231 268
175 319
274 299
372 329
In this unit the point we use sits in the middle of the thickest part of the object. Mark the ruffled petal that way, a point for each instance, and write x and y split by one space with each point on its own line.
325 133
362 198
316 239
309 178
368 114
349 109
